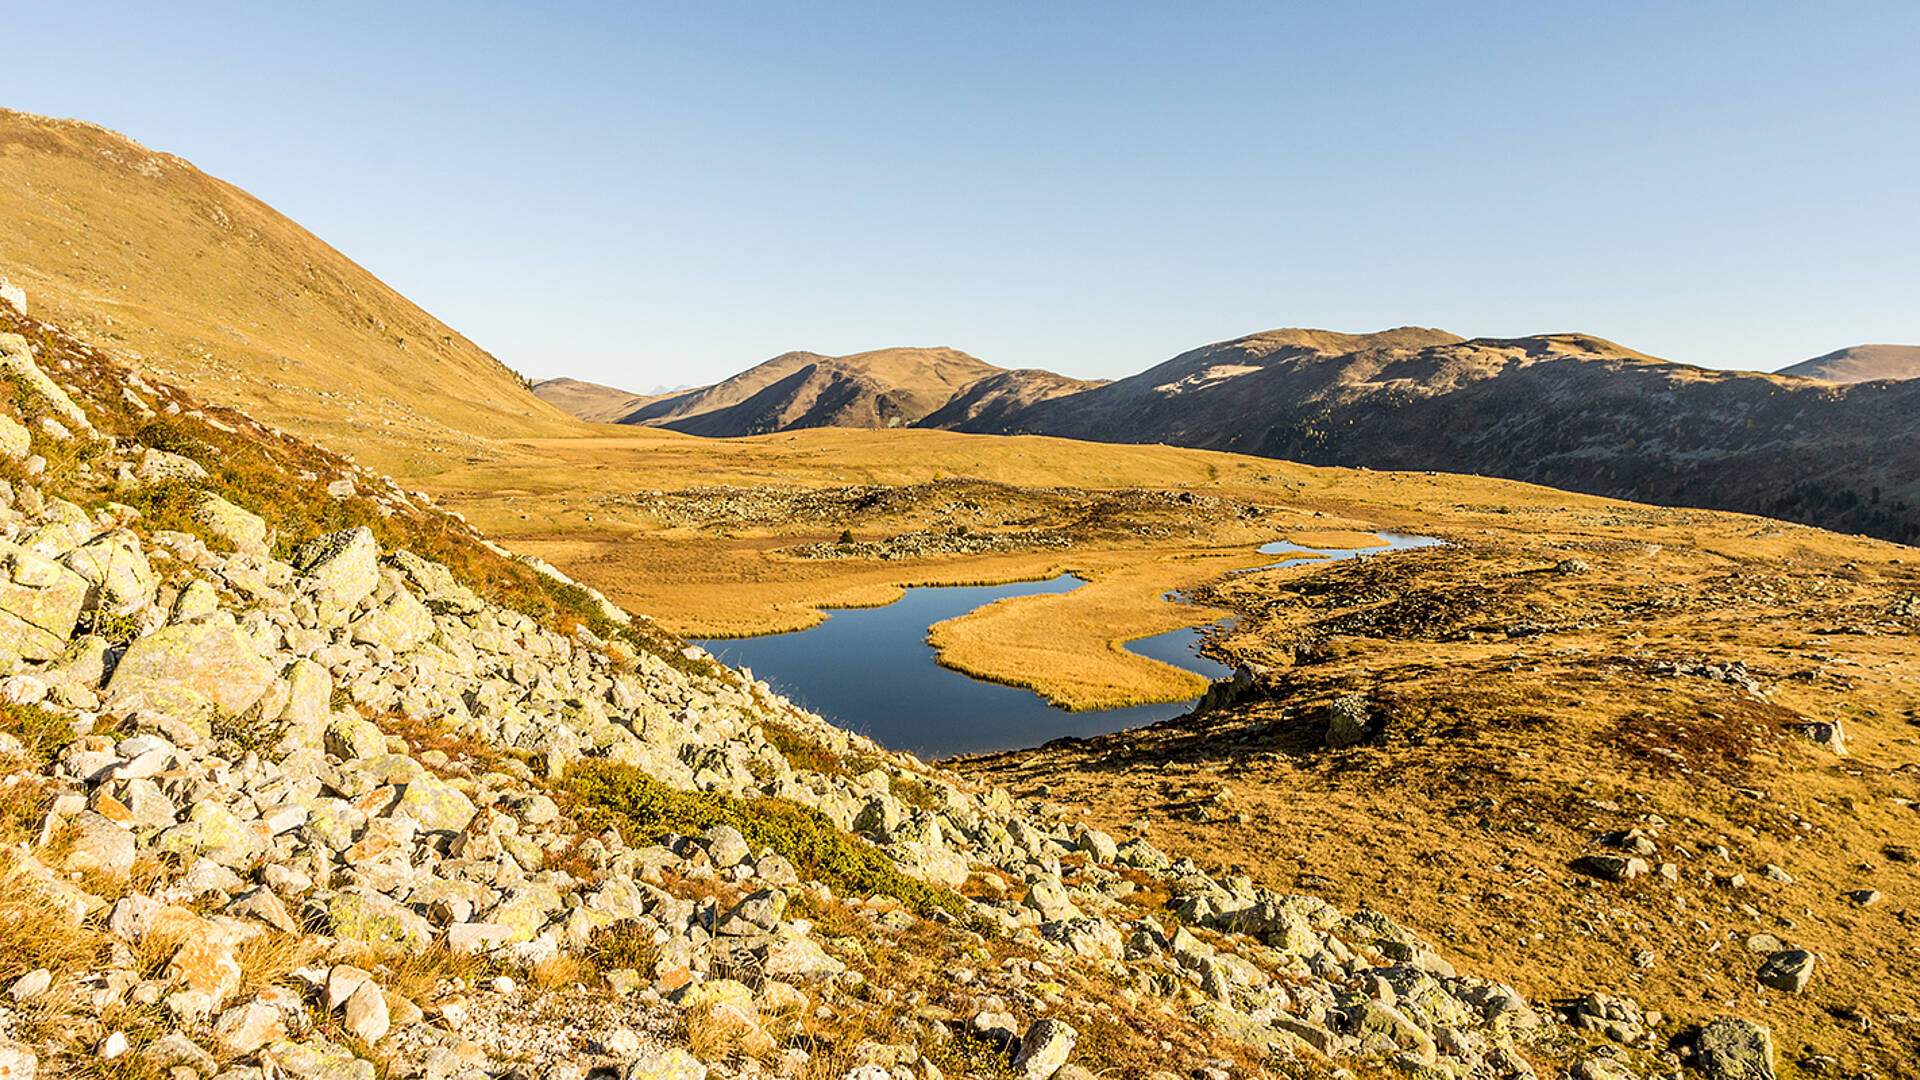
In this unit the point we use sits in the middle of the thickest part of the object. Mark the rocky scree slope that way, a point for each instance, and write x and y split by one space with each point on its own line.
291 802
1566 410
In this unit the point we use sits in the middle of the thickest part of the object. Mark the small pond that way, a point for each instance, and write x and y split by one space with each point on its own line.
871 670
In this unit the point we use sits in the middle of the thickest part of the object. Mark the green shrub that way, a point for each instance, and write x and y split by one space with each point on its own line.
646 810
802 752
119 630
250 732
625 944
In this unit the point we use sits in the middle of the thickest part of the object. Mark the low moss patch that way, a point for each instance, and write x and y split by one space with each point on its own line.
646 810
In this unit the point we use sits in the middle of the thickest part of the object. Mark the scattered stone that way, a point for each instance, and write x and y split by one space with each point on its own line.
672 1063
17 1060
1729 1048
1789 970
1829 734
1611 867
31 985
1347 720
365 1013
1044 1048
246 1028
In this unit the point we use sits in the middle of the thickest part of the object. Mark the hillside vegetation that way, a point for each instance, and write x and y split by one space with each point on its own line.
201 283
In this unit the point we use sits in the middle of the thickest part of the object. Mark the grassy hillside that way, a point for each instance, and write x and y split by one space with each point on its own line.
591 402
209 287
1861 363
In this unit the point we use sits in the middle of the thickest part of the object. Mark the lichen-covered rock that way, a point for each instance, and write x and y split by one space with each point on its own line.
794 957
15 441
726 847
308 708
340 568
1346 720
672 1063
205 965
315 1059
40 600
525 910
437 805
349 737
16 360
1044 1048
113 563
1730 1048
364 915
246 531
399 623
438 588
160 466
212 660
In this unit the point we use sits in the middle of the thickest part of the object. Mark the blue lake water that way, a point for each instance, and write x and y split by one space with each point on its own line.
871 670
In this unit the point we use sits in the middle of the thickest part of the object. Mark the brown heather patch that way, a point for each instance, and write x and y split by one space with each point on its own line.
1501 759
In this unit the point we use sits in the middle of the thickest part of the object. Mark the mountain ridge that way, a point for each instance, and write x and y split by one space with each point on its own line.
1861 363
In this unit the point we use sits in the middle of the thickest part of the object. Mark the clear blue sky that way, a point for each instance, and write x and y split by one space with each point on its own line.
644 195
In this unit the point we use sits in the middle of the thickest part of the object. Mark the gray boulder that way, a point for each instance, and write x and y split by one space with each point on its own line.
122 579
1346 720
1730 1048
1044 1048
40 600
246 531
212 661
1788 969
340 568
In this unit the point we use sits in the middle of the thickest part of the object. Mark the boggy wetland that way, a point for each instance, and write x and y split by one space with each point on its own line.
872 671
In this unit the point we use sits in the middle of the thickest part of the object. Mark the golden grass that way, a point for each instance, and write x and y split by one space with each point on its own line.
1070 647
1503 758
564 499
270 319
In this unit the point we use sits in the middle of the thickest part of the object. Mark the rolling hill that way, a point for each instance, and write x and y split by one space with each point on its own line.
591 402
209 287
1567 410
886 388
1861 363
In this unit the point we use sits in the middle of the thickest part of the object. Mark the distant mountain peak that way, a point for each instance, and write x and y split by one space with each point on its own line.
1861 363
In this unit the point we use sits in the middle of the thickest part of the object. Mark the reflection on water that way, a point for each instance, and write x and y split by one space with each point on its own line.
870 670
